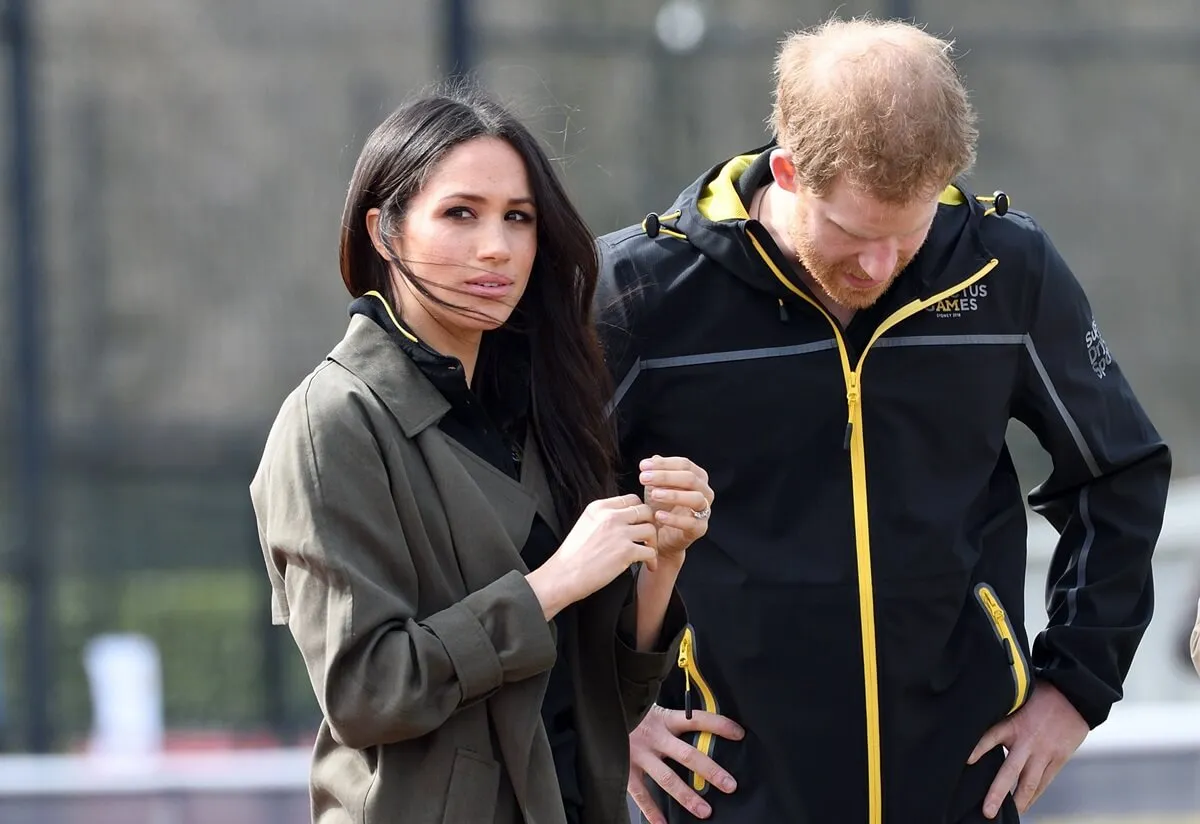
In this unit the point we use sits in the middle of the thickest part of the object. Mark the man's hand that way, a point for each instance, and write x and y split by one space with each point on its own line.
657 738
1040 738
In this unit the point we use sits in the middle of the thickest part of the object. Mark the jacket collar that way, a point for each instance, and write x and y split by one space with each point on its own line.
369 353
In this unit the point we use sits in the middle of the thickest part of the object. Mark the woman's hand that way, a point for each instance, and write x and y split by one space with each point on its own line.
610 536
679 493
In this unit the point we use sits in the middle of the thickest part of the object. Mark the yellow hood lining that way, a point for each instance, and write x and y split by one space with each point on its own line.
720 199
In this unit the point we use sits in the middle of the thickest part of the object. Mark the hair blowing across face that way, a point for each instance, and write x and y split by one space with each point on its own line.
879 105
570 384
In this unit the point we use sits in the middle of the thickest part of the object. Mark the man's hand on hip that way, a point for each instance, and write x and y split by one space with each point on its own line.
656 739
1040 738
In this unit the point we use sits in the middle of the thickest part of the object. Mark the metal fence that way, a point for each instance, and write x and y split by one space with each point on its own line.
192 161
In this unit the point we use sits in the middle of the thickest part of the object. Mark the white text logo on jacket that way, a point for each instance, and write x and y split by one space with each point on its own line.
1098 352
960 303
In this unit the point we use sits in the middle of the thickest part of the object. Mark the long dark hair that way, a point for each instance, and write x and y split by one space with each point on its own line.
569 381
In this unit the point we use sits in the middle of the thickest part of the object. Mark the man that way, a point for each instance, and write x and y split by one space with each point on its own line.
841 337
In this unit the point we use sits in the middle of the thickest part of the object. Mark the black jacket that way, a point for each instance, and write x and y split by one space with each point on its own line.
858 603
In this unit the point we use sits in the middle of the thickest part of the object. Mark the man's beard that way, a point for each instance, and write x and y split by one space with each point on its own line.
831 277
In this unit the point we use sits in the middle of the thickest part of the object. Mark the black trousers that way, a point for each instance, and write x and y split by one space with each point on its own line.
1008 814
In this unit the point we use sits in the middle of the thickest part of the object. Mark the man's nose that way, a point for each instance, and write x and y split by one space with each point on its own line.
879 261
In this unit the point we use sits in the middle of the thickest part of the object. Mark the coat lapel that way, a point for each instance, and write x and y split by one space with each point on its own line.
510 503
535 479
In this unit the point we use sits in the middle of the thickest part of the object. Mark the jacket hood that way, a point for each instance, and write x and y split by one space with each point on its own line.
712 214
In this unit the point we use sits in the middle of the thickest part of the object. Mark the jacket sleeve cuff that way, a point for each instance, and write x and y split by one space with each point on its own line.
496 634
1078 687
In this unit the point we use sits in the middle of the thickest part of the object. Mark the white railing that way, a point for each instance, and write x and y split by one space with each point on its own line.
239 787
170 773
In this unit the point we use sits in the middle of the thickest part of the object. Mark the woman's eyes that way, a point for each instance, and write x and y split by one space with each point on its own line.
464 213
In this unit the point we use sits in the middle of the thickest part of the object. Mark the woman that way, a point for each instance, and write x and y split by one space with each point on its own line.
436 500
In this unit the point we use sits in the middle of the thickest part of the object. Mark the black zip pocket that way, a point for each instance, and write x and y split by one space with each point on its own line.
1003 629
695 687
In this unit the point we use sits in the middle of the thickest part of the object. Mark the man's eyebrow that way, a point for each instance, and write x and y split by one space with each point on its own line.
844 229
864 237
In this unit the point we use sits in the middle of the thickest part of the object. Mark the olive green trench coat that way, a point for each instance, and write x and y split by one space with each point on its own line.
394 557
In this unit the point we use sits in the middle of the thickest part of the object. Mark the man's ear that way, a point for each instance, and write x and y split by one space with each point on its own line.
784 170
376 239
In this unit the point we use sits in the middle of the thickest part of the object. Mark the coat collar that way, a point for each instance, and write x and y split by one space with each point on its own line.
367 352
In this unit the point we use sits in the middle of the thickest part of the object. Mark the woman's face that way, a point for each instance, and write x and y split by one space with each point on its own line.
470 236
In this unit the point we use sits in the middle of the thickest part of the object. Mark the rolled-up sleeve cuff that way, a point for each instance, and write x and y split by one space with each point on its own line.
511 612
470 649
648 669
494 635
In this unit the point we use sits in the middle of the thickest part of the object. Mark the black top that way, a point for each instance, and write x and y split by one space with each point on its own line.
496 434
710 367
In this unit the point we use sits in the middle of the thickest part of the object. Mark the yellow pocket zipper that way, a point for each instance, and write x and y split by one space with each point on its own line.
703 741
1002 626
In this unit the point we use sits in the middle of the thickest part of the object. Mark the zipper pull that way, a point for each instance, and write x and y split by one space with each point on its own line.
783 312
685 654
851 407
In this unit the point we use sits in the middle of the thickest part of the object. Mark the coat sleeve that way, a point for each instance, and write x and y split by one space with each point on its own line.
346 585
1105 495
641 674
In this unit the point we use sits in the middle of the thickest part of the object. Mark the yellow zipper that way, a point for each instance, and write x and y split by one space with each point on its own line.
1008 639
862 537
703 741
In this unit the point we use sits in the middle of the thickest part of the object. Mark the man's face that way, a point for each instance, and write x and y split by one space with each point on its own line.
852 245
